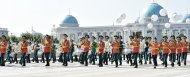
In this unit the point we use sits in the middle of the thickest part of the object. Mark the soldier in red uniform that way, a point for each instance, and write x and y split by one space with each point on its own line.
100 50
24 50
115 51
65 48
154 45
3 49
165 50
185 47
172 46
179 50
135 50
47 48
86 46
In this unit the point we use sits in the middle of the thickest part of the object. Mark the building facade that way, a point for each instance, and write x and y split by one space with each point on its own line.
71 27
4 31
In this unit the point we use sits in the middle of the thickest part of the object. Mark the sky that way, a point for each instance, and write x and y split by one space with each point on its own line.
21 15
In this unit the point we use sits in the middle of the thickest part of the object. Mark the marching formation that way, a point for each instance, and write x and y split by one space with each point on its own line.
89 50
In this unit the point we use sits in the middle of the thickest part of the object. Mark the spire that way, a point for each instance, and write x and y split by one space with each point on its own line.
187 11
69 11
32 30
153 1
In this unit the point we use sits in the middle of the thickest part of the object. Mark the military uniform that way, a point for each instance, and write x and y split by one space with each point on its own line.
184 51
115 45
47 50
179 51
3 49
24 50
165 48
106 53
53 53
172 46
93 52
154 52
36 48
86 47
120 52
100 51
65 49
135 51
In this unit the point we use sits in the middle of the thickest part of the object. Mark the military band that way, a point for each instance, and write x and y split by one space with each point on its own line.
101 49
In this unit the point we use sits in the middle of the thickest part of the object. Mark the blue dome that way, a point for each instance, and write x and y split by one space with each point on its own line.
69 21
185 17
152 8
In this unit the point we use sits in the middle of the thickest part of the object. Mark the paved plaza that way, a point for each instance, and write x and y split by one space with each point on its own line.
77 70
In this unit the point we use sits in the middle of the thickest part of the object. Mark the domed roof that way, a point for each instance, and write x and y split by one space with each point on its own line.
185 17
69 21
153 8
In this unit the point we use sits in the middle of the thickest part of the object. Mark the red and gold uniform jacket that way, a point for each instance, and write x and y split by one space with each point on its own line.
65 46
115 45
47 46
135 46
100 47
86 45
172 46
185 46
24 47
154 48
165 47
179 47
3 46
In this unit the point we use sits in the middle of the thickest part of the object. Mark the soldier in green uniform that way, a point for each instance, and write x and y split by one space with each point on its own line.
93 50
71 50
120 50
53 53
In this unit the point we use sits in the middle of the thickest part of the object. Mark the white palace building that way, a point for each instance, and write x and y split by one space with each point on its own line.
153 23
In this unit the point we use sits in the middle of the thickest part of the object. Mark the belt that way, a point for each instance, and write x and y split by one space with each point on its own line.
155 48
47 46
65 46
165 47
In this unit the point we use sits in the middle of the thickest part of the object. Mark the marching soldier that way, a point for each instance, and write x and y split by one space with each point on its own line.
120 50
47 48
36 48
146 50
185 46
165 50
24 50
3 49
15 50
28 53
53 53
71 50
141 49
115 45
100 50
93 50
107 51
86 46
172 46
135 50
179 50
65 49
149 51
154 45
129 51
